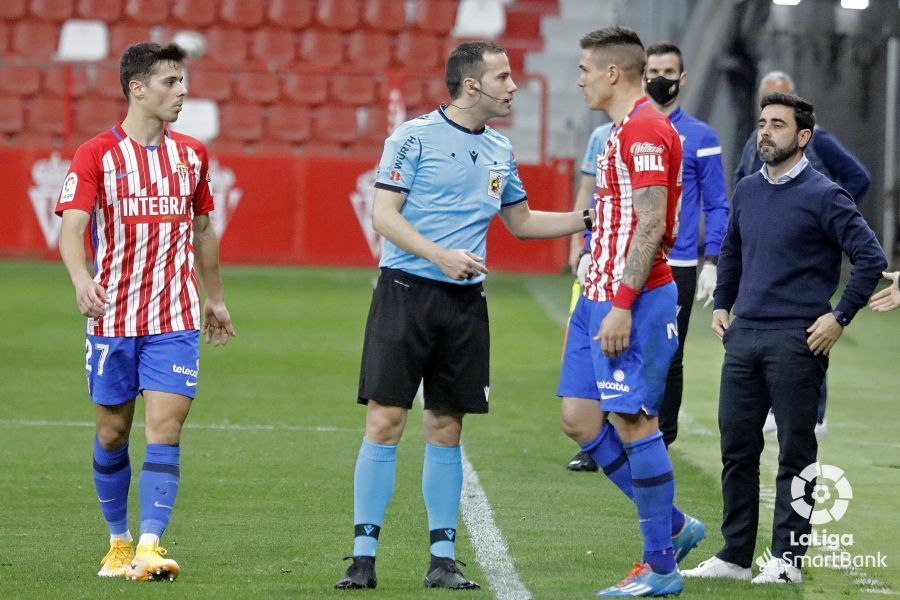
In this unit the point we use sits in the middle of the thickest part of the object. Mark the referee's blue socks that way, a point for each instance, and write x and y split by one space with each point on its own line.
112 477
441 487
373 484
608 451
158 486
654 489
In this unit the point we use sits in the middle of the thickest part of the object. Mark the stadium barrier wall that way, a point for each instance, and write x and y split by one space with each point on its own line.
281 210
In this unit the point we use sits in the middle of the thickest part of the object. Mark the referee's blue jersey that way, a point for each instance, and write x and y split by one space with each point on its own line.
455 181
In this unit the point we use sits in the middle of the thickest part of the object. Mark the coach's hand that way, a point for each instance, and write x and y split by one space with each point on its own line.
90 297
720 322
615 332
823 334
217 323
460 264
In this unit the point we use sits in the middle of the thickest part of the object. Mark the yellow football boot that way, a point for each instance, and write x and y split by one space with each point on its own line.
149 564
117 559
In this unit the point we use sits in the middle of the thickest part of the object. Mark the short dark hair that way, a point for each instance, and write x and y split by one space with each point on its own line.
467 60
665 47
139 61
804 112
623 45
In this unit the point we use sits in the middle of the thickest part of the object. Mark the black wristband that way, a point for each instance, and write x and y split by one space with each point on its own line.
586 215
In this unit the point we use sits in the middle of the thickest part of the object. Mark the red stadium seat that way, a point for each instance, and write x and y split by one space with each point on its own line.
12 9
45 115
56 11
209 83
259 87
226 46
150 12
54 80
374 124
273 47
370 49
34 40
222 145
321 149
338 14
292 14
363 149
413 91
418 50
335 124
353 90
305 88
322 48
105 81
242 13
242 122
386 15
122 35
12 114
28 139
101 10
436 92
4 38
271 148
19 80
288 123
195 13
95 115
435 16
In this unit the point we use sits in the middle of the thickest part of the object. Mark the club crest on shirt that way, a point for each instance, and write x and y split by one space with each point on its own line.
495 184
182 170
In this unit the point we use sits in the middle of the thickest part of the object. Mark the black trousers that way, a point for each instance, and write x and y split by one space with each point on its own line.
766 368
686 281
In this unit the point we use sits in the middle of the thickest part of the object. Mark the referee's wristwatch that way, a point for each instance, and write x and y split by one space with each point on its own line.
841 317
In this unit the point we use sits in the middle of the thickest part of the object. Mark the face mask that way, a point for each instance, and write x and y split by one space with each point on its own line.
662 90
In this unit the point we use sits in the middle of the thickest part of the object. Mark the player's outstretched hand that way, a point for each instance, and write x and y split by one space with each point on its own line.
823 334
720 322
217 323
461 264
615 332
91 298
888 298
706 283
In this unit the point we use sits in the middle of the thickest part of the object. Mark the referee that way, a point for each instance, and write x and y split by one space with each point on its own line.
442 178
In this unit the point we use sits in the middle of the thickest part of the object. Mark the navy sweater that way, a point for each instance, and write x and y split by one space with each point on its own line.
781 258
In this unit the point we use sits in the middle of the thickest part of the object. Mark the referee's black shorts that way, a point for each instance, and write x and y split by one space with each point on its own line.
424 329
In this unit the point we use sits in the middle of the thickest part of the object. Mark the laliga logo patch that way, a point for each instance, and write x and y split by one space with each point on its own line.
68 189
495 184
831 488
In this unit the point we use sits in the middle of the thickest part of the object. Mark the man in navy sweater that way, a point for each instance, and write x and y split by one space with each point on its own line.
827 156
779 265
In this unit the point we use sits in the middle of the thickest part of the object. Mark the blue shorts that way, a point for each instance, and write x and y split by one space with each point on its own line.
119 368
636 380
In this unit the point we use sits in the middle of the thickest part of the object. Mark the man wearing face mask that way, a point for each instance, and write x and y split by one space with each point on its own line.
703 191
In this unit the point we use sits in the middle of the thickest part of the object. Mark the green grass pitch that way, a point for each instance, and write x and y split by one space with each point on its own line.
265 507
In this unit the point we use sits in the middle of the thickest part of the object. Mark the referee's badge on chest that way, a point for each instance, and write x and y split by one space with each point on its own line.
495 184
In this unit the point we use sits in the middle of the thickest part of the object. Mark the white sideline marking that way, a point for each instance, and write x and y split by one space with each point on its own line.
207 426
491 550
490 547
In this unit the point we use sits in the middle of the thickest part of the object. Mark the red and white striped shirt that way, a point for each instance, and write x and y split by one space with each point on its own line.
142 200
643 151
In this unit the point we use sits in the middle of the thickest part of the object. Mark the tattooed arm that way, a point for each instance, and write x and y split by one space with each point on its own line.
650 210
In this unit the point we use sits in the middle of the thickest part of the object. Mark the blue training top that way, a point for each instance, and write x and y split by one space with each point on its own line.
455 181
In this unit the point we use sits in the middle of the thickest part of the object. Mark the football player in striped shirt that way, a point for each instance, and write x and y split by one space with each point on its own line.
143 190
623 333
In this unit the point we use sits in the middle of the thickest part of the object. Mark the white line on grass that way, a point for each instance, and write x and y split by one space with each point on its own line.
490 547
207 426
491 550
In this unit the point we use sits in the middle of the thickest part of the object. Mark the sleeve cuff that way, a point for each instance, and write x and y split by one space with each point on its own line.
391 188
